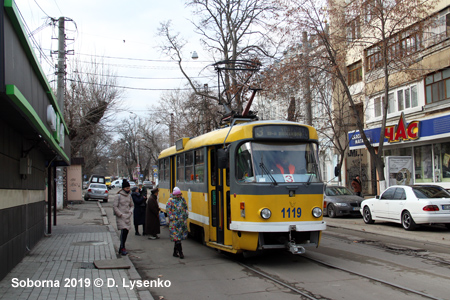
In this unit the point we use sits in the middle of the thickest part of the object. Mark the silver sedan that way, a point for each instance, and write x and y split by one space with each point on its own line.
97 191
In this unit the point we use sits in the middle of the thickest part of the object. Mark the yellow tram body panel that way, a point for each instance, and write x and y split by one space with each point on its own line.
239 225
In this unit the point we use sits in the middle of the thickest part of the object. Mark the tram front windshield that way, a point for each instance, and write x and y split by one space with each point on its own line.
277 163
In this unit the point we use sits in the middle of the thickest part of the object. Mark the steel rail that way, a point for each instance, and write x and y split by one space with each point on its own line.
373 279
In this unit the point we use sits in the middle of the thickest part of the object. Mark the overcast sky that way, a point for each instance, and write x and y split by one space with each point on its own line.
125 30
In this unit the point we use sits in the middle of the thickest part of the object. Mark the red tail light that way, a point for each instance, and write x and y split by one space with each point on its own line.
431 208
106 191
324 204
89 190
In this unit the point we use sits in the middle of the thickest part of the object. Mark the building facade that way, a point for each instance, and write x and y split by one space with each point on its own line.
33 141
416 146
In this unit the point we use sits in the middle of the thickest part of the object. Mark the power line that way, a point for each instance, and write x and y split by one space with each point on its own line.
139 59
133 88
145 78
42 9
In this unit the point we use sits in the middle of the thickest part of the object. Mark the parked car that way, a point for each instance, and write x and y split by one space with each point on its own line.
132 184
148 185
340 201
85 184
97 191
116 183
409 206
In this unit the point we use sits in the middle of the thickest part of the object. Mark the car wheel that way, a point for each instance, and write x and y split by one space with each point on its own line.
331 211
86 199
105 200
447 225
408 222
367 216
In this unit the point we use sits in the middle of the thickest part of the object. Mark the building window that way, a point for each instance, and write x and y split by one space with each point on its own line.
442 162
399 100
423 164
354 73
377 104
437 86
353 29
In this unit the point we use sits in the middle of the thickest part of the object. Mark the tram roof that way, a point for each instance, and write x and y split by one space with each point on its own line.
238 132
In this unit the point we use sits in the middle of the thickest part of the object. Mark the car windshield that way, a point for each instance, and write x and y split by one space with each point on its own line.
277 163
424 192
337 191
97 186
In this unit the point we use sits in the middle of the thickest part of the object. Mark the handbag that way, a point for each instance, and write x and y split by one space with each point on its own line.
162 219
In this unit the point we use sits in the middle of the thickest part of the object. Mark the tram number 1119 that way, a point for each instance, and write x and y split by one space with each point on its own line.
292 212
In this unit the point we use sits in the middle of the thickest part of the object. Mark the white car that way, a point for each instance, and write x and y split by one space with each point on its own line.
409 206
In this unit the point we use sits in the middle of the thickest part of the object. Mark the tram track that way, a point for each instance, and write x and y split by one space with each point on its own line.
307 295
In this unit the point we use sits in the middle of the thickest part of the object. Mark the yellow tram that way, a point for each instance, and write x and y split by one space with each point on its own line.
249 187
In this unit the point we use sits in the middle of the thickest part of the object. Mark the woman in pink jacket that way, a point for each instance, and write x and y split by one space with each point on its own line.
123 209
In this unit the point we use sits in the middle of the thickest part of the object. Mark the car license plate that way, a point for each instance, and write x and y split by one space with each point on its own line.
446 207
355 208
97 192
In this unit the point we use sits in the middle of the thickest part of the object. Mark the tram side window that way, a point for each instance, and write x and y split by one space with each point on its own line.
180 167
199 166
244 168
213 167
161 169
166 169
189 162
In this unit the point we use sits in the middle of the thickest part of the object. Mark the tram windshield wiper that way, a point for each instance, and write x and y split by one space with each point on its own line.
264 169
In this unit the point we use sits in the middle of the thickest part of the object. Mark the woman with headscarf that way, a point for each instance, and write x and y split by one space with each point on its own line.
152 226
123 210
139 209
177 211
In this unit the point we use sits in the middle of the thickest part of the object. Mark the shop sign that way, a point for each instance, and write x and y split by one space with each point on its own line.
402 131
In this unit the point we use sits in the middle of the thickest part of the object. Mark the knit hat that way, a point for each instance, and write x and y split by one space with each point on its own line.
125 183
176 191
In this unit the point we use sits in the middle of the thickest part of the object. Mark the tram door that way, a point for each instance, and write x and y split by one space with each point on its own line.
219 195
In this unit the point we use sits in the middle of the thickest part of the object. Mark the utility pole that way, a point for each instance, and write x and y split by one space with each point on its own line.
61 70
172 142
307 82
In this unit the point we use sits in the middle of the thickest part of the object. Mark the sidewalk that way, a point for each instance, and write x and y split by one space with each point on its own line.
61 265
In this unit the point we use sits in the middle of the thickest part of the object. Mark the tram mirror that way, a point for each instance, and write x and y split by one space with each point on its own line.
222 157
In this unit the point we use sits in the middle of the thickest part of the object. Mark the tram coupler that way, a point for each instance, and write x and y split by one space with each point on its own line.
295 249
291 245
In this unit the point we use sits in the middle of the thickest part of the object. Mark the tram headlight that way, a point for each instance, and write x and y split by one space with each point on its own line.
317 212
265 213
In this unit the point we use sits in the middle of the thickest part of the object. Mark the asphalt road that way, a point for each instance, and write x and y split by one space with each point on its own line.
416 260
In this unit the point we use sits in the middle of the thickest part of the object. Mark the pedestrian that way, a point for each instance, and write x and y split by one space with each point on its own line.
139 210
177 211
152 226
122 207
142 189
356 185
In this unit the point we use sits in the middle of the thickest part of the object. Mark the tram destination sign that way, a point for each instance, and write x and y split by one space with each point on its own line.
289 132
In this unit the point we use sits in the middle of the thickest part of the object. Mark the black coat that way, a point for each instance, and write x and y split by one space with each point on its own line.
152 216
139 208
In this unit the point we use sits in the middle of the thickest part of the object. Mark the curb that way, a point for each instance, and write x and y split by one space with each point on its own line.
143 293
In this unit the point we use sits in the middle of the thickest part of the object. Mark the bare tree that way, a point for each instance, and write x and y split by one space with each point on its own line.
231 31
90 99
358 27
